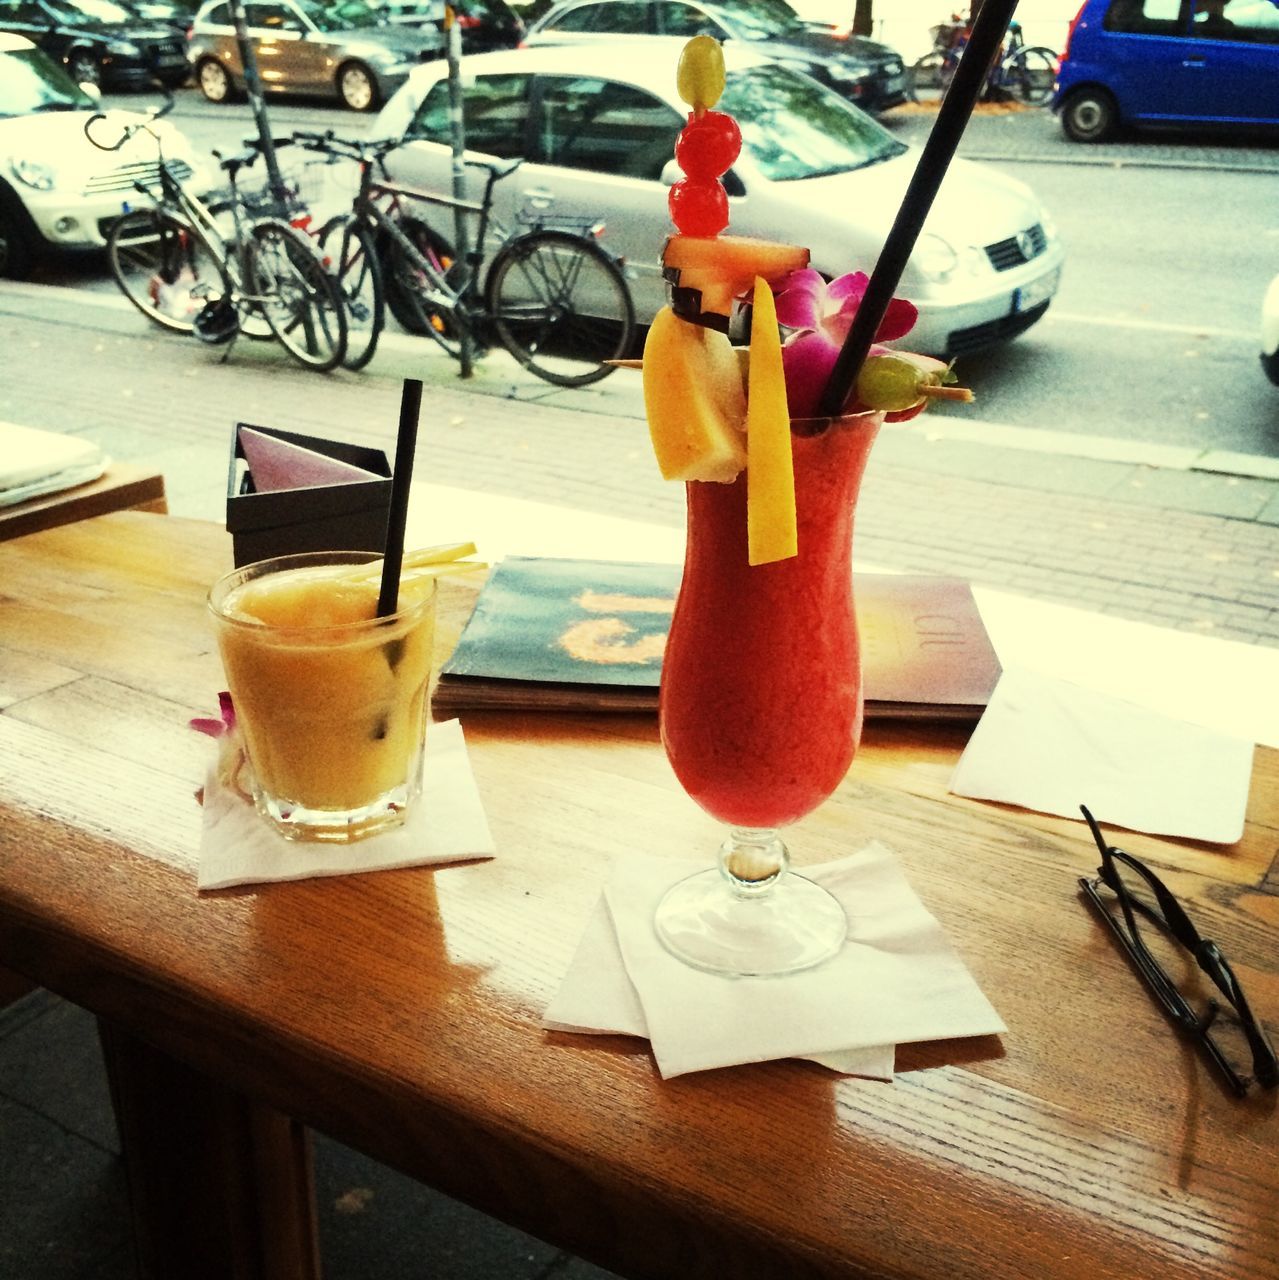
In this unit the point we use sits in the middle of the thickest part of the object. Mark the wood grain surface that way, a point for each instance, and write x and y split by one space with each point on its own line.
399 1011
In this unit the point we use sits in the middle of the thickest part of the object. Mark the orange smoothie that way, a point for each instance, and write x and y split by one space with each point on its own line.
331 699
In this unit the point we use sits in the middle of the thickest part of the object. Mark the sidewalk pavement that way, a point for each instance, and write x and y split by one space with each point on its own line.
1157 534
1010 132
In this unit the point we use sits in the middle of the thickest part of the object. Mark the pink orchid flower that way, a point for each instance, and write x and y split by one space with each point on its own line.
217 728
822 314
231 758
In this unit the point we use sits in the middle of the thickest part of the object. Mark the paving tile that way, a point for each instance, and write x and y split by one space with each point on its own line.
1233 496
53 1065
63 1208
375 1222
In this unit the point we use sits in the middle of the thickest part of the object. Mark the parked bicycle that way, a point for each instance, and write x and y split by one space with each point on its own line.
177 264
550 294
1024 73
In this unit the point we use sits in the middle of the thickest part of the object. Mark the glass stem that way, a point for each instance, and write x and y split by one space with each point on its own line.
752 860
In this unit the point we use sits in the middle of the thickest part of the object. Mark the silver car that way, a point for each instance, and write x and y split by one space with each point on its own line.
597 143
305 47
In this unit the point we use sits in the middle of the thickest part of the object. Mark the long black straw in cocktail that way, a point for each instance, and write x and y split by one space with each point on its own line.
983 44
405 444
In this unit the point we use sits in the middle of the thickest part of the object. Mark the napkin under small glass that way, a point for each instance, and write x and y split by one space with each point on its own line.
447 824
897 980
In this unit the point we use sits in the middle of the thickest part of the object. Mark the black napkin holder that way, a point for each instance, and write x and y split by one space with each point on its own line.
332 517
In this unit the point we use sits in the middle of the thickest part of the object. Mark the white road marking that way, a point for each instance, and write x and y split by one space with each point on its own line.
1152 326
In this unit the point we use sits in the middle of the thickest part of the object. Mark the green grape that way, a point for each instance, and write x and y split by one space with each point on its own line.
891 384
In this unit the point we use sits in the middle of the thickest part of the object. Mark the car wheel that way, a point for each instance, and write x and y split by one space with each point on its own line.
83 67
1089 116
214 81
16 244
357 88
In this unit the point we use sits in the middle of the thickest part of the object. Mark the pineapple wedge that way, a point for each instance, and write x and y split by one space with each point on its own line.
693 400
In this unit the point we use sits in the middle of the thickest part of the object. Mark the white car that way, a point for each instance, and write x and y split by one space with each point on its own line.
596 136
1270 332
56 188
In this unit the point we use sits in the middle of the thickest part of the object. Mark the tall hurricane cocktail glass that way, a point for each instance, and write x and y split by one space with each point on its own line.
761 708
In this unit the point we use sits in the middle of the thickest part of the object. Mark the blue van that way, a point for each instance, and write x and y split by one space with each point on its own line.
1169 62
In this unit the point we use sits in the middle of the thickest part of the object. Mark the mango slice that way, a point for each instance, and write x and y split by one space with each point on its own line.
770 475
724 266
694 401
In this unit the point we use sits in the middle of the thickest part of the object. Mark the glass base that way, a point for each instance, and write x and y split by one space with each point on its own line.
796 925
336 826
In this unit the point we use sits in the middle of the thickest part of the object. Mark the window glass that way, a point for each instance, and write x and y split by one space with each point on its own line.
793 127
95 12
494 111
1255 21
30 81
1146 17
686 20
272 17
588 123
219 16
760 19
628 16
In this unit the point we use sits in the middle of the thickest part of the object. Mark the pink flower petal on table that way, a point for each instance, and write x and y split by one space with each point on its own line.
227 707
206 724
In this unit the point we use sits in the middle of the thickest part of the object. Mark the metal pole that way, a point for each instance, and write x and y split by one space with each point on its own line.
253 83
457 136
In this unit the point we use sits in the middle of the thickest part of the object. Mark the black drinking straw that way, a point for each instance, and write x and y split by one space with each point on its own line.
987 37
405 443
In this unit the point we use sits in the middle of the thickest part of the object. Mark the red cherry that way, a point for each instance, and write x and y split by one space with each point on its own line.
707 147
698 207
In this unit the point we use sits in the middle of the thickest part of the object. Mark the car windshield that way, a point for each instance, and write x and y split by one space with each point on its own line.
759 19
347 15
31 82
99 12
794 128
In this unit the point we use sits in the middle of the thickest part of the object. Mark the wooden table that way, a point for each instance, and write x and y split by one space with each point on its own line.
399 1011
121 487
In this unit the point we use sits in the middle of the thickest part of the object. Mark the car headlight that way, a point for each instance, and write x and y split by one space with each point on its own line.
33 173
1049 225
935 258
122 49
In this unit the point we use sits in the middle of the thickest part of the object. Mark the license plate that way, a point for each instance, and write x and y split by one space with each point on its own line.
1031 295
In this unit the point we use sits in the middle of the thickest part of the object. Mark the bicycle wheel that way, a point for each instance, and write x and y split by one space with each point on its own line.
300 300
412 293
560 306
930 77
349 247
163 268
1029 75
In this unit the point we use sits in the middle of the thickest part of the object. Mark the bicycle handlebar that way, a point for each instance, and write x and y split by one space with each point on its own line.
151 117
379 148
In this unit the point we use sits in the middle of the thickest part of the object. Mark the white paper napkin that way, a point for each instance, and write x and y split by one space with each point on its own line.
1050 745
897 980
447 824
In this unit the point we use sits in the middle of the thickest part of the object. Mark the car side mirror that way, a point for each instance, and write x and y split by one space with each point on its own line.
93 91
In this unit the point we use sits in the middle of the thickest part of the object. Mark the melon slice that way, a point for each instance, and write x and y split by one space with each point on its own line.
723 267
770 474
694 400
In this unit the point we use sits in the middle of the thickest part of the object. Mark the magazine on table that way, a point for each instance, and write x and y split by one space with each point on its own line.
588 635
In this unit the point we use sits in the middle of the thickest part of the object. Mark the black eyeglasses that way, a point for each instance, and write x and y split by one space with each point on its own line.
1170 918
